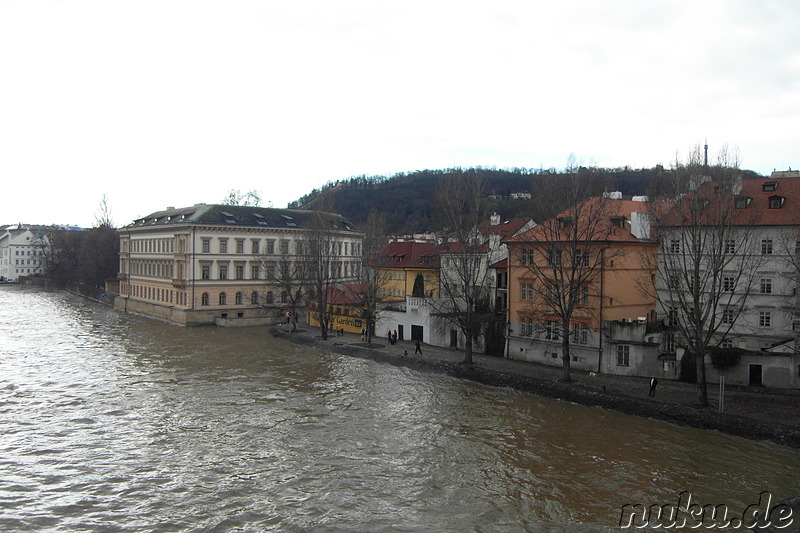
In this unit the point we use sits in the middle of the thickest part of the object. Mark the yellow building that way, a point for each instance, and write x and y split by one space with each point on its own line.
408 268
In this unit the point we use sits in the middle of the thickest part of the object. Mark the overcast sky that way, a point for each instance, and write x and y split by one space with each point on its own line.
170 103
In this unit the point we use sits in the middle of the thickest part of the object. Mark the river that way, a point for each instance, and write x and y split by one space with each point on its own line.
113 422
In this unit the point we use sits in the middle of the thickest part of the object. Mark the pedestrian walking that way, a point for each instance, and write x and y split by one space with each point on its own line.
653 383
417 348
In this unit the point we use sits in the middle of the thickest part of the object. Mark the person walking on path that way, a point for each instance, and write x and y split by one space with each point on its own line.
653 383
417 348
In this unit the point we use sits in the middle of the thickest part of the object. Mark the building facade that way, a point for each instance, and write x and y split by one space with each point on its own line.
610 272
751 251
23 251
215 264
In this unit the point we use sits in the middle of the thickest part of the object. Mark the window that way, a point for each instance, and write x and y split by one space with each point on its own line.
584 297
726 343
254 247
223 272
206 246
254 297
238 298
270 297
730 246
742 202
223 298
204 299
526 291
206 272
284 297
766 247
254 272
526 326
623 355
580 333
669 342
551 330
239 247
582 258
298 247
765 319
728 315
284 247
728 283
270 247
769 186
765 286
223 246
527 256
672 316
239 271
675 246
554 258
776 202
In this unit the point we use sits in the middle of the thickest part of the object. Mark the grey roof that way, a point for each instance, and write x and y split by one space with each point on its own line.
238 215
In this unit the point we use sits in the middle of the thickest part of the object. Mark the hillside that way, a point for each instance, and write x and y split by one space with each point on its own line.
408 199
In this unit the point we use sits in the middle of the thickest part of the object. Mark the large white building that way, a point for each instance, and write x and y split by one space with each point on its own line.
757 280
208 264
22 251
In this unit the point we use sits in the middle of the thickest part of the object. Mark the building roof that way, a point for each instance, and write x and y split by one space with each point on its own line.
773 201
408 254
237 215
612 222
507 228
347 293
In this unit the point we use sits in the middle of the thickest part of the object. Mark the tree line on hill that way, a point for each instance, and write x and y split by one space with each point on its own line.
408 198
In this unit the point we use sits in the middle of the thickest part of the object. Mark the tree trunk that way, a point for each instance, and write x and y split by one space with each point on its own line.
702 390
468 349
565 353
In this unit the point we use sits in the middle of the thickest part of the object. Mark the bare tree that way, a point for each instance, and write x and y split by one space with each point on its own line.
708 257
464 298
103 216
320 254
370 278
237 197
288 274
563 258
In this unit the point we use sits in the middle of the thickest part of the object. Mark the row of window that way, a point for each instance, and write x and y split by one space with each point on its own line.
552 330
282 246
153 246
238 298
729 246
28 251
341 269
526 291
554 257
29 262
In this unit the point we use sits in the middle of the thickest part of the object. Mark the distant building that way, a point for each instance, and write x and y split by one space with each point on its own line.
23 250
207 264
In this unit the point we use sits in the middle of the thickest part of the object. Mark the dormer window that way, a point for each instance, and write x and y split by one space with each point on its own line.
229 218
260 220
289 221
742 202
776 202
769 186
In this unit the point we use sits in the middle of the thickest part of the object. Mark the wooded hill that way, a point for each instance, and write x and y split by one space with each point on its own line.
408 198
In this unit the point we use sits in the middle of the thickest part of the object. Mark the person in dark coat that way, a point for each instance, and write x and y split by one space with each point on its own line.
417 348
653 383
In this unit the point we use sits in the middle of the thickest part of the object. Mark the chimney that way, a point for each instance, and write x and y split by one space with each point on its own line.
495 219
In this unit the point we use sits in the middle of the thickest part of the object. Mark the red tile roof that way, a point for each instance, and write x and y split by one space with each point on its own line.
607 209
408 254
755 197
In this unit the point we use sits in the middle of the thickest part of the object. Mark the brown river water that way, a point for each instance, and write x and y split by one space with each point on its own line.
113 422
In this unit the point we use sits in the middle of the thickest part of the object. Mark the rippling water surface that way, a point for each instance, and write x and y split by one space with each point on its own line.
111 422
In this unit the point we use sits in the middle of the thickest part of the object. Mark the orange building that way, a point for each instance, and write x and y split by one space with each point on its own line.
599 258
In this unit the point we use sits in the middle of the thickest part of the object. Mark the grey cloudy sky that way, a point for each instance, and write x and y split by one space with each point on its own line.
158 103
